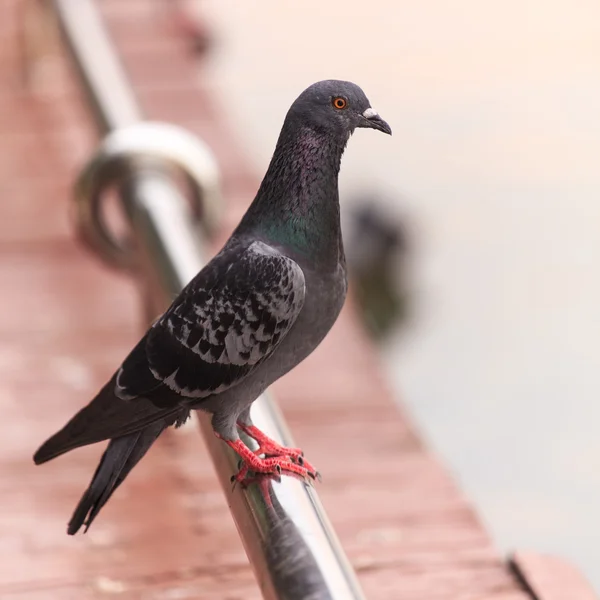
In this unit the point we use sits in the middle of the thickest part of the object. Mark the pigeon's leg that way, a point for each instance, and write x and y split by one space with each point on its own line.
269 447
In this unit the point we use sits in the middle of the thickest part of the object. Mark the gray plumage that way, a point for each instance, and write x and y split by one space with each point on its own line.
253 313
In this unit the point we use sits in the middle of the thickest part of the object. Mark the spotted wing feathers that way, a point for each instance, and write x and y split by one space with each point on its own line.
226 321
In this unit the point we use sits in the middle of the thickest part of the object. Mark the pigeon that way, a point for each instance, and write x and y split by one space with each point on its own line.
255 311
379 251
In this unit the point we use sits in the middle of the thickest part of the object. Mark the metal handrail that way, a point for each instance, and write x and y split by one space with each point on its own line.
291 546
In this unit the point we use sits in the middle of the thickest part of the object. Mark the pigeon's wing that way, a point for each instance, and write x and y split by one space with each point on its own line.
225 323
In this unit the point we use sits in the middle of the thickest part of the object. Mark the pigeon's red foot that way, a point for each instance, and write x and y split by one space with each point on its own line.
270 448
276 465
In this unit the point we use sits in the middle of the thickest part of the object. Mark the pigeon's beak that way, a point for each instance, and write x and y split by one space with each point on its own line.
370 118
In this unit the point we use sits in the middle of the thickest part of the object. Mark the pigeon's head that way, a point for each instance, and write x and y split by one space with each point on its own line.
337 107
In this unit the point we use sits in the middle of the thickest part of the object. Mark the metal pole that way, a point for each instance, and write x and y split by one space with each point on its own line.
292 548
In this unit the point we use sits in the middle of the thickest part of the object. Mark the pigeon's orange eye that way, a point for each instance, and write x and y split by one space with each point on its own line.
339 102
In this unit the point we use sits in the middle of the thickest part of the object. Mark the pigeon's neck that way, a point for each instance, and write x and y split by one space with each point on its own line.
297 204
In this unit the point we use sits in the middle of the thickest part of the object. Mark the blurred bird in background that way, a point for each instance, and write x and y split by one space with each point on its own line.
377 251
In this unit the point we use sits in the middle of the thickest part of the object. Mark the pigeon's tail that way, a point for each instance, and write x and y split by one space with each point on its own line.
106 417
121 455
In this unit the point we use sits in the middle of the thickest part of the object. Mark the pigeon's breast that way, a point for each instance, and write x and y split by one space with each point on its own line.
324 298
325 295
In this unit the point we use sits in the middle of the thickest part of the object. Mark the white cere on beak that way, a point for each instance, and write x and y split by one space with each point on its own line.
370 113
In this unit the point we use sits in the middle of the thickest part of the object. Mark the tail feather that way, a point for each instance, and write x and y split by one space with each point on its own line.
105 417
121 455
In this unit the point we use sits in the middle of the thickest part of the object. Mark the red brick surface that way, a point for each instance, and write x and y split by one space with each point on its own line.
66 322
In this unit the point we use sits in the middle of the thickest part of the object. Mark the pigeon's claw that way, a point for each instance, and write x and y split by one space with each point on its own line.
275 465
270 448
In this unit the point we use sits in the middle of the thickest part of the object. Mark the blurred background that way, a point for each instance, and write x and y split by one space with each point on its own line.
484 211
